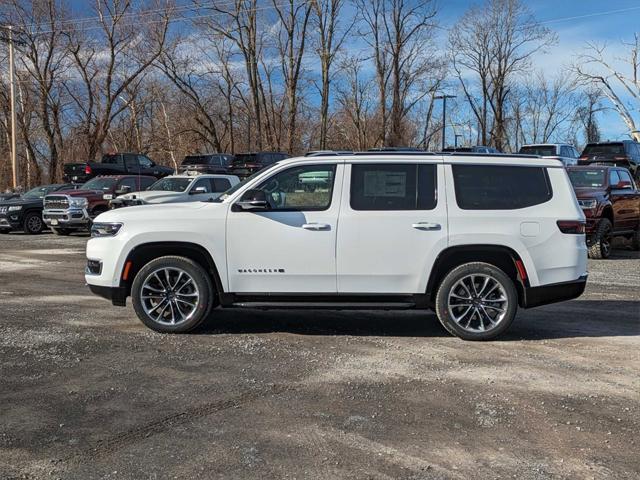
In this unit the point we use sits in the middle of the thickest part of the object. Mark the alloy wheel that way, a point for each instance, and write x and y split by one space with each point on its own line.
169 296
478 303
34 224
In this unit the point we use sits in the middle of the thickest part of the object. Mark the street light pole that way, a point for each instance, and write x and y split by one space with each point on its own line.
444 115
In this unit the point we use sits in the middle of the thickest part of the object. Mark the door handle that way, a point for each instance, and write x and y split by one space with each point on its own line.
427 226
316 226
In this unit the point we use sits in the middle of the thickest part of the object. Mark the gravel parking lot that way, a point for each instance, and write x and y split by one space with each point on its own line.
87 391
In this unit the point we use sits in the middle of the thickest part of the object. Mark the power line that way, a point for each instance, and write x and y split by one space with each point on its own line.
589 15
135 15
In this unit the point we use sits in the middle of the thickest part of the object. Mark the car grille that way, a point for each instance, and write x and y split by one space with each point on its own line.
55 202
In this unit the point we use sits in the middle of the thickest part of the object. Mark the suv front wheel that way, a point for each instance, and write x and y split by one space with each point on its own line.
476 301
172 294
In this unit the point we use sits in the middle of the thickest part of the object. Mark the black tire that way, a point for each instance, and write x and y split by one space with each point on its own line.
479 308
61 231
601 246
33 223
635 239
206 299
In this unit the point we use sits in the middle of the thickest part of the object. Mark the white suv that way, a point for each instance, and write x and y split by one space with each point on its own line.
470 237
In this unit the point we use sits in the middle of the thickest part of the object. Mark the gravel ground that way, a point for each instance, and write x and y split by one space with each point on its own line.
88 392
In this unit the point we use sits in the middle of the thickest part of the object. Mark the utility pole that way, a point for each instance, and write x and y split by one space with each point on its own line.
12 94
12 99
444 115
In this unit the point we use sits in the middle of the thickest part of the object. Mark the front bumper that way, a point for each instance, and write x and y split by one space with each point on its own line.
11 221
117 295
71 217
553 293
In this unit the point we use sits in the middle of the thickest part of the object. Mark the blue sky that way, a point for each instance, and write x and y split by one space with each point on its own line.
575 22
573 33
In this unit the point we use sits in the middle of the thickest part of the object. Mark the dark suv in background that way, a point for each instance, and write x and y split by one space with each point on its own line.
25 212
625 153
246 164
206 163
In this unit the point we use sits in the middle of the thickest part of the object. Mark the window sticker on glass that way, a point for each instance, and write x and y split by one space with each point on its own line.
385 184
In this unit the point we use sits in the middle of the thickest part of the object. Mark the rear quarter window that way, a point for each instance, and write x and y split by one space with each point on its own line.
382 186
497 187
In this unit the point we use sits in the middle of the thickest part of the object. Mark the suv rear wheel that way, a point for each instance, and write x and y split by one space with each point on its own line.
601 246
172 294
476 301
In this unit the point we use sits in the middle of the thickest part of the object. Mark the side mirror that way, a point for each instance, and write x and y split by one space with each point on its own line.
253 200
623 185
198 190
123 189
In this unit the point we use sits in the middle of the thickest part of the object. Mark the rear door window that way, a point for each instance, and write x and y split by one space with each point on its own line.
220 184
497 187
393 186
112 159
129 182
131 161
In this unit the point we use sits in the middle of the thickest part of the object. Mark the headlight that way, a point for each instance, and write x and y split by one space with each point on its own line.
588 204
78 202
15 208
105 229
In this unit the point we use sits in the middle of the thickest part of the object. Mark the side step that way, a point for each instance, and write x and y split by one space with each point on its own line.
328 305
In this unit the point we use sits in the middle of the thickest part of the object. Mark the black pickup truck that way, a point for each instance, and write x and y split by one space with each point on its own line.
115 164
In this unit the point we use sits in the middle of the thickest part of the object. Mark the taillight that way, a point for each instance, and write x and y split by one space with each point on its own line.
87 170
583 157
572 227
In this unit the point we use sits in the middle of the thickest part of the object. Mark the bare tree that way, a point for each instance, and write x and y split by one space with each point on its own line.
238 21
182 63
355 97
43 60
495 43
112 61
331 36
595 68
548 106
587 112
293 20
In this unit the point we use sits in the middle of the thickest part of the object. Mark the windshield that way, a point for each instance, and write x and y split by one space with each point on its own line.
171 184
587 178
100 183
38 192
238 186
604 148
542 150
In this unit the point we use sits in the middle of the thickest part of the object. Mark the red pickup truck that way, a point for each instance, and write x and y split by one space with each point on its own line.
610 201
71 210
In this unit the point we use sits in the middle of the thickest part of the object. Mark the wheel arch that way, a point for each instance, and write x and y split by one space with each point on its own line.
502 257
142 254
607 212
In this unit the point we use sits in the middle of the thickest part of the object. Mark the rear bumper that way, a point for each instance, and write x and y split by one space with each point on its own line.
117 295
553 293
